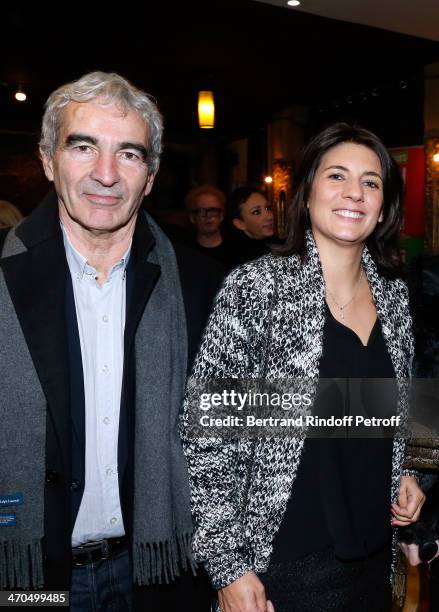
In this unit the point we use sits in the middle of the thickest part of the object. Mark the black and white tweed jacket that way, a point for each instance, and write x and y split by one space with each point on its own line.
236 519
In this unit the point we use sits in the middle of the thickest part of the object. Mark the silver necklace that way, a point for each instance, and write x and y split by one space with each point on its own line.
341 308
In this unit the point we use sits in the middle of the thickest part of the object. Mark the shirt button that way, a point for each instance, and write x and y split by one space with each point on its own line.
108 471
106 420
51 476
75 484
113 520
105 369
105 318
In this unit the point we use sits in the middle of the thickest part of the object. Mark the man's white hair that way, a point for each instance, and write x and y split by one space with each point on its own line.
109 88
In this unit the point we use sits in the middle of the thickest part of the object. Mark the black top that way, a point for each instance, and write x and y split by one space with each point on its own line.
341 495
220 253
243 249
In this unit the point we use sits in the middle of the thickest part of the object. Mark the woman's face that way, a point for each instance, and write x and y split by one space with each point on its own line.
256 217
346 198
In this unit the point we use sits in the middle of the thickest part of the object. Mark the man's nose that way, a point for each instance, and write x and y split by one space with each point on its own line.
105 170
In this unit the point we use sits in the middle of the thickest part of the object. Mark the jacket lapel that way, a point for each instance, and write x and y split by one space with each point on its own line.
383 292
36 282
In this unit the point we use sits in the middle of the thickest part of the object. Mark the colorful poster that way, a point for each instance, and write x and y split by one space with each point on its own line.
411 161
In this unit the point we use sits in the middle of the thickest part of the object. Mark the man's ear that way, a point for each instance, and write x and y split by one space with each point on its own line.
149 183
47 164
238 223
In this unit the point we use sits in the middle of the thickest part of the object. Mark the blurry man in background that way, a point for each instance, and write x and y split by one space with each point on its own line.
206 208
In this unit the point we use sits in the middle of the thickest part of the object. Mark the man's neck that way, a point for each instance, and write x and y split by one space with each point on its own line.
210 240
103 250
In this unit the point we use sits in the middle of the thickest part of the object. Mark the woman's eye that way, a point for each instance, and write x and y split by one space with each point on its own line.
336 177
372 184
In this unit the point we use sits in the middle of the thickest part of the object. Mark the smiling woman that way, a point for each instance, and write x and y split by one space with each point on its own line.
381 173
347 196
304 523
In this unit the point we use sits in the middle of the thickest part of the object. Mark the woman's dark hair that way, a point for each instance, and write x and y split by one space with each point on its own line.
383 243
238 197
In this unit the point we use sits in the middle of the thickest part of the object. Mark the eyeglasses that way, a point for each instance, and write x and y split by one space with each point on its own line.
207 212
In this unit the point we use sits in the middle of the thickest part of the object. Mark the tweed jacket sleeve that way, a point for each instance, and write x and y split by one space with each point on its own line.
230 349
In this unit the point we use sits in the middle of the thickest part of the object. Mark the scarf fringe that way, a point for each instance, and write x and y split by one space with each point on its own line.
155 562
21 565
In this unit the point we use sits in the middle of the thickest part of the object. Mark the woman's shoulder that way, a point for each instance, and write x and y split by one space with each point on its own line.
262 271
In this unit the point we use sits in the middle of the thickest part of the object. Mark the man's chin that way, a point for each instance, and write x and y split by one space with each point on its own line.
102 222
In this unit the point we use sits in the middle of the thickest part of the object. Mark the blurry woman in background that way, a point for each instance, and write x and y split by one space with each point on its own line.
252 222
9 214
305 524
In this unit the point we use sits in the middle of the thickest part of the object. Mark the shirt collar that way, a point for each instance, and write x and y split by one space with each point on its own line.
79 265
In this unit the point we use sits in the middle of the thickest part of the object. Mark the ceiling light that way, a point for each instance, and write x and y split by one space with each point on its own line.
293 2
19 95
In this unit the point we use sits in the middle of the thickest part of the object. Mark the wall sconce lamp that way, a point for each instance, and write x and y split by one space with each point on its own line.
268 180
436 158
206 110
20 95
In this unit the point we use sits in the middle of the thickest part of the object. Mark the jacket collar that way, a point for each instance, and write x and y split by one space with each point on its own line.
42 224
384 292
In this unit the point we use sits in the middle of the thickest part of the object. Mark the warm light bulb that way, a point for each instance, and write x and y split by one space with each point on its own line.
20 96
268 179
206 109
436 158
293 2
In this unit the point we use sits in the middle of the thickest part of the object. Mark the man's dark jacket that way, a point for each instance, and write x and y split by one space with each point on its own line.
39 284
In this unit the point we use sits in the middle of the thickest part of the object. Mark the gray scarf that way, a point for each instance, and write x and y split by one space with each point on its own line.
162 521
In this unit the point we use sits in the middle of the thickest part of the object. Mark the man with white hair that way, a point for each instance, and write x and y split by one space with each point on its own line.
93 359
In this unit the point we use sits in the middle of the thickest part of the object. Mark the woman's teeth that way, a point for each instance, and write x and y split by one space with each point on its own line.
349 213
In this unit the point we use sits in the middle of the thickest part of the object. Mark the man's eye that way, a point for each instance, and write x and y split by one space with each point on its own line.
256 212
130 156
82 148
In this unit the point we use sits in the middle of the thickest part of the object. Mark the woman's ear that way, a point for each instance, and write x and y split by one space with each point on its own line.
238 223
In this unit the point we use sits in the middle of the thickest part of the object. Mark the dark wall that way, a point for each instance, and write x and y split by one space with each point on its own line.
394 110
